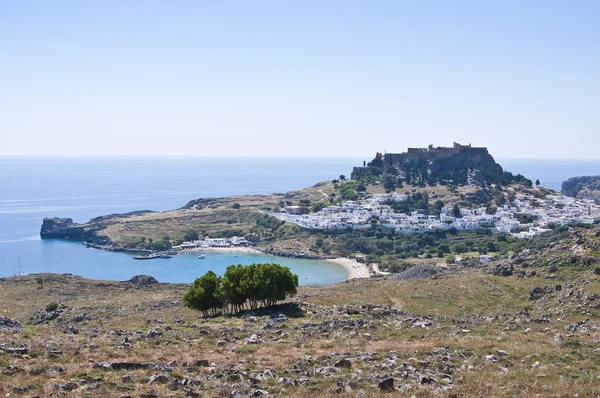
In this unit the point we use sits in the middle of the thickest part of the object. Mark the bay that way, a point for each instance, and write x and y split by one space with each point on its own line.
32 188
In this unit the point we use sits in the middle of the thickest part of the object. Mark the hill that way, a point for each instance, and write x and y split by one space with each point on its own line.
525 327
582 188
459 164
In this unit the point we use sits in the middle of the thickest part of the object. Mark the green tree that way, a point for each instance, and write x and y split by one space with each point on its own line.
537 182
205 294
456 211
342 177
252 286
191 236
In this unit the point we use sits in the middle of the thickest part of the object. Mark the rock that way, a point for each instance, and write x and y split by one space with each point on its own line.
128 379
201 363
8 324
130 366
254 339
503 269
22 349
159 378
221 343
142 280
558 337
286 381
68 386
503 353
154 333
343 363
491 358
422 271
79 318
537 292
427 380
386 384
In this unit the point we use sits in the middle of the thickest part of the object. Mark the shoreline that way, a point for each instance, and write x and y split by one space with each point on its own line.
355 269
245 249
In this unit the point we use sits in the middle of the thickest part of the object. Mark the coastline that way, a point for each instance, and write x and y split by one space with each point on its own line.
355 269
245 249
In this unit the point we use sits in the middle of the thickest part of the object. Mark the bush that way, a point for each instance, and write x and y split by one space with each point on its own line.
51 307
597 270
236 205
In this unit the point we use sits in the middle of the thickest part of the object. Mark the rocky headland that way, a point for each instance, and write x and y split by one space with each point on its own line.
587 187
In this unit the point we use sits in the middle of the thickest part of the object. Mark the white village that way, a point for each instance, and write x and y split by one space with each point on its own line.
547 213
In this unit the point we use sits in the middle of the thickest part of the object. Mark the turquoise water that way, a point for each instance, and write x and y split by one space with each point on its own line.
60 256
32 188
83 188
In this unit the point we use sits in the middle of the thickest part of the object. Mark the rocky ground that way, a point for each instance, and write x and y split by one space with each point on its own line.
527 327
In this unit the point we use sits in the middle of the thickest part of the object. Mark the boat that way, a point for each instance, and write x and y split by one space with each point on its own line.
202 257
152 255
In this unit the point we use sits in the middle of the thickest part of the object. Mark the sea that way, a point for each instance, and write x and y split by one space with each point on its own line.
32 188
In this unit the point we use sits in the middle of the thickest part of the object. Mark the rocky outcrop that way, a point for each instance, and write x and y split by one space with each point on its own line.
65 228
587 187
459 164
142 280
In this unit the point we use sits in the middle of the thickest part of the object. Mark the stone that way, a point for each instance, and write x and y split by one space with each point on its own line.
201 363
128 379
343 363
159 378
143 280
254 339
386 384
154 333
8 324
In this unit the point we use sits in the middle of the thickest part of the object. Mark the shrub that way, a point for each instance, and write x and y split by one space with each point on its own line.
236 205
597 270
50 307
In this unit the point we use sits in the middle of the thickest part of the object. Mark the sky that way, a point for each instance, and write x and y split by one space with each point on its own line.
299 78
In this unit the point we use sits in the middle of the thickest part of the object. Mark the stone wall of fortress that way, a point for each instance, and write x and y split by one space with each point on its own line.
432 154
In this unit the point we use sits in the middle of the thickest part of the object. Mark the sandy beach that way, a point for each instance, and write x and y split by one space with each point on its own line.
355 269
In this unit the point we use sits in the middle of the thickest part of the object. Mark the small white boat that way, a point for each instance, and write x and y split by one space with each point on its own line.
202 257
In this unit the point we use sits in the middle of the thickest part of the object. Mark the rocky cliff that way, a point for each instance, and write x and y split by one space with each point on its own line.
65 228
587 187
460 164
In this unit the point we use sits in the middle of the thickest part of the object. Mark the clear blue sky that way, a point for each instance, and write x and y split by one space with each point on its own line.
314 78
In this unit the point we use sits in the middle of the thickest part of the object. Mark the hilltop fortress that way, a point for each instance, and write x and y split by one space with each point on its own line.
457 164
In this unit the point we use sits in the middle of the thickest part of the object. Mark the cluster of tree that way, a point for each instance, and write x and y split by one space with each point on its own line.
386 246
160 245
348 190
242 287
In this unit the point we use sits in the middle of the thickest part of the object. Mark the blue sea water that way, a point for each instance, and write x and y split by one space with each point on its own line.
83 188
32 188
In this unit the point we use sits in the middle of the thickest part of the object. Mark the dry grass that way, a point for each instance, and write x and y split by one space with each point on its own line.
565 367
